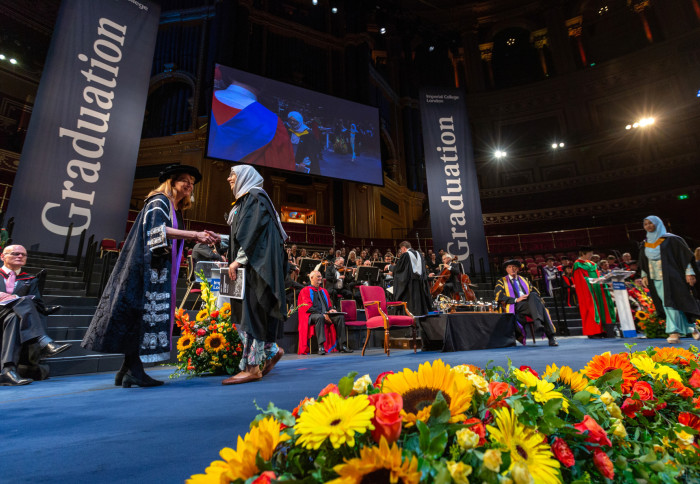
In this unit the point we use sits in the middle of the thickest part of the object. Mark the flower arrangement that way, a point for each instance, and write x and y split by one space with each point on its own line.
210 344
645 316
628 417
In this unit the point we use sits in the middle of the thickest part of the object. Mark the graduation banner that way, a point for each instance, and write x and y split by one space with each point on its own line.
79 157
453 190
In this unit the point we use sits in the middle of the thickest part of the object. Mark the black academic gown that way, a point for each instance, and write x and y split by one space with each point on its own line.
411 287
675 257
254 229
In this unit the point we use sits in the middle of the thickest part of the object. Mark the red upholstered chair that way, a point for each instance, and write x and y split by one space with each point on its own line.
349 307
374 301
108 245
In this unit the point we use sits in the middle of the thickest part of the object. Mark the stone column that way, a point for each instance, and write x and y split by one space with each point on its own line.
277 183
639 6
559 41
486 56
574 25
540 40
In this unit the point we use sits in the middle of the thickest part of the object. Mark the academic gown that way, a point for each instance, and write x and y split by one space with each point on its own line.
411 287
306 301
254 229
594 300
675 257
134 312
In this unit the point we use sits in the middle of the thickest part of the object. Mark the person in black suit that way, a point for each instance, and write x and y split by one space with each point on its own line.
22 316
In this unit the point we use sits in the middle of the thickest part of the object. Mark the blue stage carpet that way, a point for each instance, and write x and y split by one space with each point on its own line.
84 429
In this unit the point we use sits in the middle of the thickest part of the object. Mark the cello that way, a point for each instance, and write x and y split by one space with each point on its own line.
441 280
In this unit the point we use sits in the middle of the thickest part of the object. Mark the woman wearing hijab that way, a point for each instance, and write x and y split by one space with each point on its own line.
256 246
307 149
669 263
136 312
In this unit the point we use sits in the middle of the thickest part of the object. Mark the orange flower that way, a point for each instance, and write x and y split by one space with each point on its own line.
499 392
695 379
330 388
643 389
602 364
678 388
689 420
674 356
596 434
604 464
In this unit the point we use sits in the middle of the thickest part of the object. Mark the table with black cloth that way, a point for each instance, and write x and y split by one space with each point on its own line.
469 331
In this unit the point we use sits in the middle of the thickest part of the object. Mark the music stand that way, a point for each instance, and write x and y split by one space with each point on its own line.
369 274
380 264
306 265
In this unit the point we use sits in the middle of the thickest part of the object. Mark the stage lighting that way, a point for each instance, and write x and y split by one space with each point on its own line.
314 2
382 31
500 154
561 145
629 126
557 145
554 146
2 57
431 48
334 9
13 61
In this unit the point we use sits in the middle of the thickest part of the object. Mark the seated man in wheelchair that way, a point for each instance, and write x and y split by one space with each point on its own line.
522 300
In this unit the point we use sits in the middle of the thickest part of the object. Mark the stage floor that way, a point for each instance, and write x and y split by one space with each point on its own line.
84 429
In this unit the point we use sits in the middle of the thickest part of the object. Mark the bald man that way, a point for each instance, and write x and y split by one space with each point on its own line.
20 318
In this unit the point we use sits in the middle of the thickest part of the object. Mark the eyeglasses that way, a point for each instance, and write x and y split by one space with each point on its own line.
17 254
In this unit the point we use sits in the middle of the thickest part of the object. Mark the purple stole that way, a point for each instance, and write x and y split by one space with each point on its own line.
177 248
510 291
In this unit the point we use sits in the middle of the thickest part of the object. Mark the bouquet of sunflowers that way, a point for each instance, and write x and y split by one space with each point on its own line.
630 417
645 316
210 344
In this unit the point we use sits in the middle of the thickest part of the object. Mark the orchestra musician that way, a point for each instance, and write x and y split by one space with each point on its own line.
453 285
335 277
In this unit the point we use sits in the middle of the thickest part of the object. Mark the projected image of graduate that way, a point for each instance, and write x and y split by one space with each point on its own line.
264 122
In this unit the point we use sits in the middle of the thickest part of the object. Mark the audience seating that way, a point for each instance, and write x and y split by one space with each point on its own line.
108 245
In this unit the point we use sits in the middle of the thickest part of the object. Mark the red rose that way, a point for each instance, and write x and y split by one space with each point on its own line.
215 314
696 402
689 420
500 391
527 368
596 434
630 407
199 351
562 452
643 389
695 379
330 388
380 378
603 464
201 332
476 426
387 416
265 478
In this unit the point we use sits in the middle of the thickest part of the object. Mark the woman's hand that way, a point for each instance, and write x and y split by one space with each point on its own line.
206 237
645 281
233 270
690 279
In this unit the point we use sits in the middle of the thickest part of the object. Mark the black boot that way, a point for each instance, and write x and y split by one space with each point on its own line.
136 375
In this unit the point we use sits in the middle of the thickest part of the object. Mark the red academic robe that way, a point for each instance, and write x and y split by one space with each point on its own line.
594 301
305 302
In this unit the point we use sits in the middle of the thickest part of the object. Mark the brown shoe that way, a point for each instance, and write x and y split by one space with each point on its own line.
242 377
674 338
270 364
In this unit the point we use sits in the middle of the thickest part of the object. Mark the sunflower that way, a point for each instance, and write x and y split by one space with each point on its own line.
641 315
226 310
202 315
214 343
645 364
336 419
573 379
240 463
602 364
674 356
378 464
185 342
525 446
419 389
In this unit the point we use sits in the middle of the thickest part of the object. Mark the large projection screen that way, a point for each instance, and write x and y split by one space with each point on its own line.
262 122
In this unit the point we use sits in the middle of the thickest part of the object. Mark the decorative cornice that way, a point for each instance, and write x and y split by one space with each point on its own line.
9 160
588 209
591 178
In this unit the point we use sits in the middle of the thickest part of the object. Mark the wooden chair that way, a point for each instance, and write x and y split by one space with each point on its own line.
349 307
374 301
108 245
191 281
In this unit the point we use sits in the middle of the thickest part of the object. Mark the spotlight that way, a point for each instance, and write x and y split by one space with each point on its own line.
13 61
500 154
382 30
629 126
561 145
698 89
2 57
554 146
431 48
314 2
635 125
334 9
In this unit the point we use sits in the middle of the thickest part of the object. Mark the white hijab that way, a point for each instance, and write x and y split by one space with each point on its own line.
248 178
